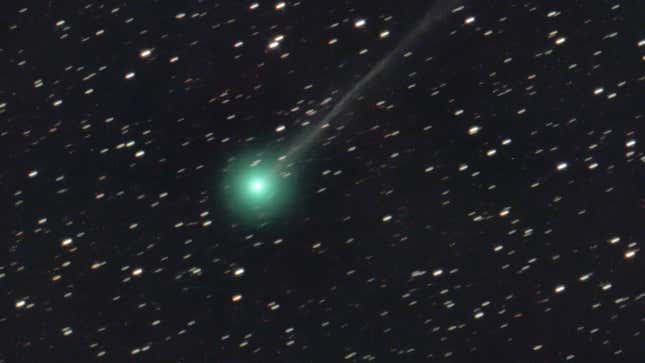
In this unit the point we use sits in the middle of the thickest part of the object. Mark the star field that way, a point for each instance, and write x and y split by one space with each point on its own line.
480 200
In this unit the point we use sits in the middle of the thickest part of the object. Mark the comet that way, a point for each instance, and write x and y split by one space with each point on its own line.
259 189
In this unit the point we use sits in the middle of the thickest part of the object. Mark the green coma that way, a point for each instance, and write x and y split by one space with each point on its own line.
255 189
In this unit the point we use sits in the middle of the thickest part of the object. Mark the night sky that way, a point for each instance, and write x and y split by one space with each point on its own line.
480 198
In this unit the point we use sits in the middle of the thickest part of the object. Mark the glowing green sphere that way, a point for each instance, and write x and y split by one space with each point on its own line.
254 189
257 187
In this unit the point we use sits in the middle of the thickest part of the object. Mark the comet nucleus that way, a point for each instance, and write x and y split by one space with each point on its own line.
254 188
